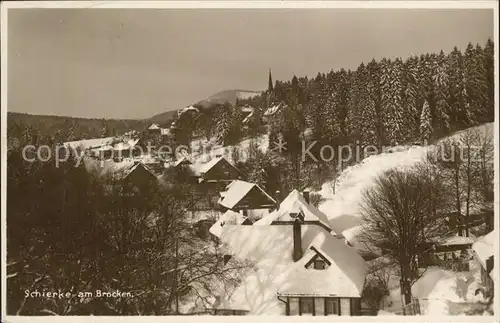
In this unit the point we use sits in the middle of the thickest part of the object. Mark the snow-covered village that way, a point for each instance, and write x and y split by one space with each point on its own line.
349 186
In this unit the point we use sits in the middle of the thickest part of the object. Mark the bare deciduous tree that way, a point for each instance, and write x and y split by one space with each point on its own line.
401 215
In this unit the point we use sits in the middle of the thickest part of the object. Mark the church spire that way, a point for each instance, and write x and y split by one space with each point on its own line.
270 86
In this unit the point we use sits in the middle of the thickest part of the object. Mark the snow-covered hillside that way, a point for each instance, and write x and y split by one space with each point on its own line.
342 208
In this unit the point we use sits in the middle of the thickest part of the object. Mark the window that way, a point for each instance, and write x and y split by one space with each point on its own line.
319 264
306 305
331 306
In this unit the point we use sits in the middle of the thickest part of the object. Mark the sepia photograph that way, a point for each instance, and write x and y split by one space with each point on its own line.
250 159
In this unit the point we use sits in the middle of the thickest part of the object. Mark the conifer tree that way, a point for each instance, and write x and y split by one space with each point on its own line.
476 84
489 71
410 97
224 124
105 128
374 71
332 116
392 102
426 123
458 115
441 88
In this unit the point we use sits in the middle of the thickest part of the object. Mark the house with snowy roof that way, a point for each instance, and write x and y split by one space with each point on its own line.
87 144
154 129
131 176
107 147
218 169
165 132
228 218
297 204
188 109
211 177
187 112
183 161
243 196
483 252
126 149
298 266
273 111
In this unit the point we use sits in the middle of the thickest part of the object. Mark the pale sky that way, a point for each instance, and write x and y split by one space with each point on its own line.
134 63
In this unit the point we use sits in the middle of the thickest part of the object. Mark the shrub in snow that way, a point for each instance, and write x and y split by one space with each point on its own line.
374 292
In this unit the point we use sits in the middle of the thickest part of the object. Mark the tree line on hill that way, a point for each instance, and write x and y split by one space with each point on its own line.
63 129
381 103
385 102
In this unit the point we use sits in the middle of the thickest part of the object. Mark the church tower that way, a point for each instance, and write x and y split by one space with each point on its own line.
270 86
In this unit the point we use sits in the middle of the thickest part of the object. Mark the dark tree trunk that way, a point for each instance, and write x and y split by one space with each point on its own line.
469 184
406 290
458 207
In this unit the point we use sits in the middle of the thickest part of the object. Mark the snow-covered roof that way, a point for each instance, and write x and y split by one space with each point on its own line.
186 109
203 168
228 218
105 147
454 240
154 126
269 249
483 247
89 143
207 166
118 170
295 203
236 191
182 160
348 268
130 144
146 159
247 108
248 117
273 109
195 168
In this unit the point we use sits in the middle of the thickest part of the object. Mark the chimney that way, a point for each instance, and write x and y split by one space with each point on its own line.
489 264
297 240
489 220
306 196
277 197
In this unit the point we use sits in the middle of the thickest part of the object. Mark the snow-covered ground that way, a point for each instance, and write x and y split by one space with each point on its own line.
441 292
343 207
